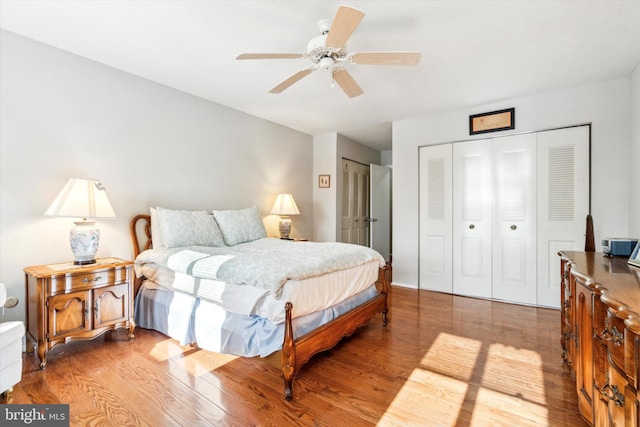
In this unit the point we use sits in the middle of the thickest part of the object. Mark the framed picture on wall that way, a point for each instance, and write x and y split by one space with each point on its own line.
492 121
324 181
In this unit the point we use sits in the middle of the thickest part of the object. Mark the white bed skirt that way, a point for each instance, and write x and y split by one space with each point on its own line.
206 324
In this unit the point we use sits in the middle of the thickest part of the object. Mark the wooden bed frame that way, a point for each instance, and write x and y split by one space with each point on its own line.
295 351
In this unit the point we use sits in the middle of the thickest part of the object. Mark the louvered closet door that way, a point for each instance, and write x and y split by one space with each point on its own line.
472 195
436 218
563 203
514 225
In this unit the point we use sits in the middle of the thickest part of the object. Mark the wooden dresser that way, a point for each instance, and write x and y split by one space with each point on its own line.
601 335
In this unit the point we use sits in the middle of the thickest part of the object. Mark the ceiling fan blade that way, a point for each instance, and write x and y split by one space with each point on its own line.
344 24
270 55
346 82
386 58
291 80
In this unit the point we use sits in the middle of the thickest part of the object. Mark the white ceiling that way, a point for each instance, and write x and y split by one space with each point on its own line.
473 52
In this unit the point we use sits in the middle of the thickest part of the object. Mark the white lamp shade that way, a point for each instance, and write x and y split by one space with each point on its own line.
285 205
82 198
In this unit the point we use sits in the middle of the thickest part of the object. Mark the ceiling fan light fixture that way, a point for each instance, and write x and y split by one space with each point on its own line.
317 50
326 63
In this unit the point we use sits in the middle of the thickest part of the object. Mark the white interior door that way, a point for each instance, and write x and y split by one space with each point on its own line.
355 203
514 212
436 206
472 224
563 203
380 209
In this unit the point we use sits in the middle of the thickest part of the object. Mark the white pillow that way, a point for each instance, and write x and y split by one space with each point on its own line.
239 226
156 234
187 228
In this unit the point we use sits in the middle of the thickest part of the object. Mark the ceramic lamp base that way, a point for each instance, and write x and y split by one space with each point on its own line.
285 227
84 239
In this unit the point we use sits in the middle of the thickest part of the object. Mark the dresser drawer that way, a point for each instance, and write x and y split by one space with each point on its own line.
614 337
599 316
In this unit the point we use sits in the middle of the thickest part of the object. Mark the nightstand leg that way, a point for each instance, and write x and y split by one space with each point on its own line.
42 354
132 326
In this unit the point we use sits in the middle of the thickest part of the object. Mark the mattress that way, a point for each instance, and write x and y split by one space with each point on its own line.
308 295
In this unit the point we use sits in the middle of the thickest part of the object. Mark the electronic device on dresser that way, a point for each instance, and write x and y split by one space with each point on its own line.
616 246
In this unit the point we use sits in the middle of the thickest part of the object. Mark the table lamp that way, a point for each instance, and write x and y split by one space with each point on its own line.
86 199
285 206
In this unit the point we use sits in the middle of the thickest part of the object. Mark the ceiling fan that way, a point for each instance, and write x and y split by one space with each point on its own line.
328 52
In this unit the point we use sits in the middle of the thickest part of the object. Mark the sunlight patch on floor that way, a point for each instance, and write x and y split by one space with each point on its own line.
461 381
522 368
194 360
167 349
202 362
426 396
452 356
492 405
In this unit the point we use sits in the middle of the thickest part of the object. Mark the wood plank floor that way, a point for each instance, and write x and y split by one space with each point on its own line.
442 361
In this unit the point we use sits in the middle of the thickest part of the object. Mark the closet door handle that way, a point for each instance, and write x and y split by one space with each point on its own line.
513 227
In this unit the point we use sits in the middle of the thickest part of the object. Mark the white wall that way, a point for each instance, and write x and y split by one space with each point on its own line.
386 158
634 158
605 105
65 116
325 151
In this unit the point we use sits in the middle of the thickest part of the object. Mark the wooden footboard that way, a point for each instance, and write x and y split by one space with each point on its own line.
297 351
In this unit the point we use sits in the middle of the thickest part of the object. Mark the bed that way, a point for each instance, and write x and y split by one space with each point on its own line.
215 280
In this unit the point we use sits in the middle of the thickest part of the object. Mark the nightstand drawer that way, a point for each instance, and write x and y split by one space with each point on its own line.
72 282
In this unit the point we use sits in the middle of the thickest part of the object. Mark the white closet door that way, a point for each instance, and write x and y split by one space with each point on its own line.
563 203
514 229
472 194
436 218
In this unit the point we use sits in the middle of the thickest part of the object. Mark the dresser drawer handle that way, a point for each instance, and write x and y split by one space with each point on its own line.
616 396
616 336
95 279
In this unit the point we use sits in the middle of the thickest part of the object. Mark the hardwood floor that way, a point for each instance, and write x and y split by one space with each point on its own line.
442 361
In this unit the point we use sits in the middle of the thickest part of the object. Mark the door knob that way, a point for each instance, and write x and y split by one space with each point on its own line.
513 227
471 226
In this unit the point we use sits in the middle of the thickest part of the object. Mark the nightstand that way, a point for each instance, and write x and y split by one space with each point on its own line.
67 302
